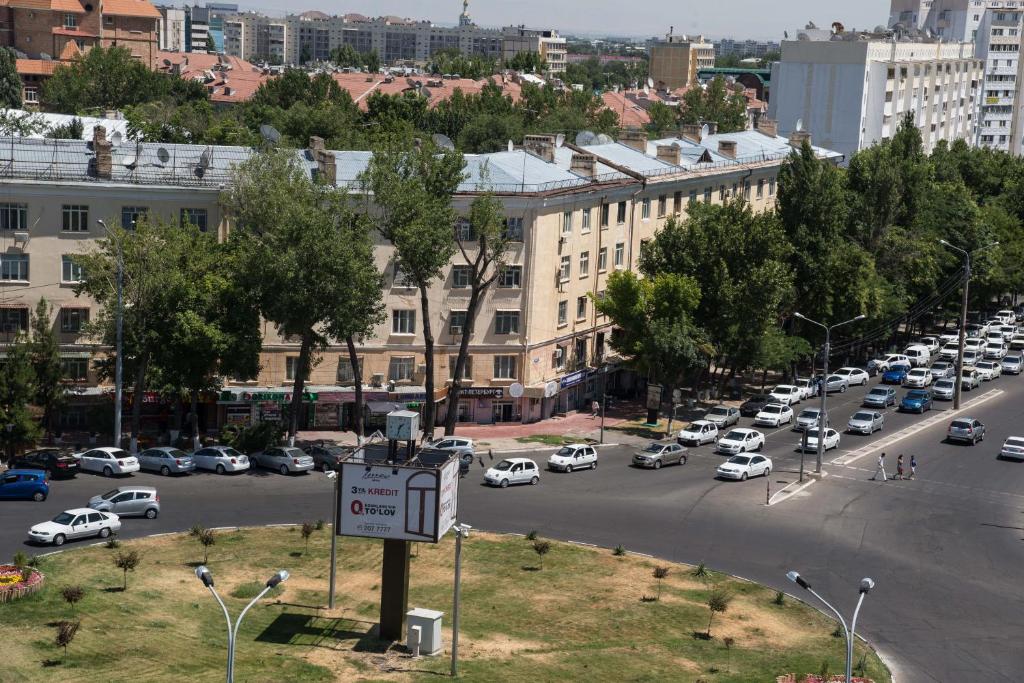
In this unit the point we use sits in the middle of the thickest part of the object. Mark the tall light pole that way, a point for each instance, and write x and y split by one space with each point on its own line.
963 316
118 360
461 531
822 415
204 575
865 585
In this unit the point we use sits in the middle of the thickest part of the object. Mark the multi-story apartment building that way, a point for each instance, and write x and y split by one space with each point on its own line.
674 61
574 214
995 27
745 48
171 35
852 90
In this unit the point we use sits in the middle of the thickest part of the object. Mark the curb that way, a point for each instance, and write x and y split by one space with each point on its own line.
782 495
545 448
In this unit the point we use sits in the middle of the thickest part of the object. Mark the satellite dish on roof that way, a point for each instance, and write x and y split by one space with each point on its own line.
559 140
167 62
603 139
116 138
647 91
269 133
511 146
426 92
584 138
163 155
204 162
442 141
650 82
411 83
799 124
705 131
45 57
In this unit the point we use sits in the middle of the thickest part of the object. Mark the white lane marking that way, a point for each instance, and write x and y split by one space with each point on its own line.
914 429
783 494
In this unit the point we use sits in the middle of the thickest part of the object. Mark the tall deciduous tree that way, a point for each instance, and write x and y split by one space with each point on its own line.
17 391
44 351
412 186
715 102
10 82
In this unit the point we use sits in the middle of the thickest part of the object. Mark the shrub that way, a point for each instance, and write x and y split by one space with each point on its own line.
257 437
718 601
780 598
660 573
837 632
619 551
127 562
26 574
532 536
112 543
195 530
307 530
20 560
541 548
206 539
72 595
66 631
728 641
320 524
701 572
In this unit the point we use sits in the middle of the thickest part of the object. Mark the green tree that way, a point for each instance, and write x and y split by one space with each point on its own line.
17 391
412 188
718 602
715 102
211 45
44 351
10 81
372 61
663 118
72 130
127 561
528 62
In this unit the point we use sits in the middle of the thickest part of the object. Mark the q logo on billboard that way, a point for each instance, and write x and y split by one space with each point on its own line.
357 507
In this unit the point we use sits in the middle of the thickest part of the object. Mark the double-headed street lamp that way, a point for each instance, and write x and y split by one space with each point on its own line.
963 316
822 415
204 575
865 585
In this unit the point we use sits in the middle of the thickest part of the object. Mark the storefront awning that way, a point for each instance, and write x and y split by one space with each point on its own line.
384 407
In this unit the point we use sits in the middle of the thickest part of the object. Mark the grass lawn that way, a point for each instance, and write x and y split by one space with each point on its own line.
641 428
586 615
551 439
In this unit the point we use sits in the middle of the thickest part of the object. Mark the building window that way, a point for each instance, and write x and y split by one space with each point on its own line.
504 367
461 276
75 369
620 216
291 366
586 220
581 307
400 368
345 374
131 215
707 195
13 319
14 267
69 270
399 279
566 222
70 21
645 208
506 322
31 95
73 319
514 228
605 210
563 312
13 216
581 352
746 189
75 218
585 264
693 197
467 370
566 268
620 250
463 230
771 186
196 217
602 260
558 358
403 321
760 188
721 193
662 206
511 277
457 322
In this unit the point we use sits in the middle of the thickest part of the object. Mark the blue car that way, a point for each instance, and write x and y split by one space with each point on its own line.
916 401
24 485
895 375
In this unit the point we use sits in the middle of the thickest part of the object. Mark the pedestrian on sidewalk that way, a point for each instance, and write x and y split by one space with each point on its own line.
596 407
881 468
899 467
913 465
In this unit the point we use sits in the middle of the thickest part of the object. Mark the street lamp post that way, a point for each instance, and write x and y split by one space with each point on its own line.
822 414
118 361
204 575
461 531
963 316
866 584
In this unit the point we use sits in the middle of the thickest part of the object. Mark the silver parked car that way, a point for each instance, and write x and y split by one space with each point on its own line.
807 419
658 453
284 459
455 444
837 383
166 460
220 459
866 422
966 429
128 501
723 416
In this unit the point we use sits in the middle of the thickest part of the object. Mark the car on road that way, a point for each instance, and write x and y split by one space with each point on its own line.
108 461
75 523
740 440
1008 332
971 357
950 351
1013 449
221 459
880 397
837 383
1011 365
578 456
942 369
966 429
974 343
460 445
1006 315
811 443
883 364
742 467
166 460
56 464
808 418
774 415
994 337
930 343
988 370
284 459
918 354
698 433
969 379
723 416
513 471
786 394
658 453
854 376
916 401
808 387
944 389
976 329
866 422
128 501
18 484
948 338
327 456
918 377
896 374
752 406
995 350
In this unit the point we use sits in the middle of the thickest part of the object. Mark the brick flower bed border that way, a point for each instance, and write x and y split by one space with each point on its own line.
20 589
813 678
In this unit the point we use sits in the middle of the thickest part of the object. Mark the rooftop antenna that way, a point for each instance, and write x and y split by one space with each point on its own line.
584 138
270 134
442 141
116 138
204 162
559 140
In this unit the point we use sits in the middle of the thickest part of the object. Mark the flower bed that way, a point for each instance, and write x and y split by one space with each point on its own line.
12 585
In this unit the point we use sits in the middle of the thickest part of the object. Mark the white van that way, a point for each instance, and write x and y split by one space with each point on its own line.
918 354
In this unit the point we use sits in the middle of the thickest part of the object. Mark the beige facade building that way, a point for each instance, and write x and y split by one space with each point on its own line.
575 214
674 61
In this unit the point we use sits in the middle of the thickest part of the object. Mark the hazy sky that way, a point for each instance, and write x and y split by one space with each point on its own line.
764 19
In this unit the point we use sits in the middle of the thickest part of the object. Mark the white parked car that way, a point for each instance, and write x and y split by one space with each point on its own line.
918 377
855 376
513 471
995 350
1011 365
740 440
108 461
974 343
969 379
742 467
808 387
1013 448
949 338
774 415
1008 332
866 422
944 389
950 351
883 364
284 459
988 370
971 357
831 440
787 394
577 456
697 433
76 523
930 343
1006 315
918 354
220 459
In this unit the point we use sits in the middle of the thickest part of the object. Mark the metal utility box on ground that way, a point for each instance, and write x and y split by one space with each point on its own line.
429 622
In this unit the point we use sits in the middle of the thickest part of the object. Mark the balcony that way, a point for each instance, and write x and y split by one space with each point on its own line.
997 101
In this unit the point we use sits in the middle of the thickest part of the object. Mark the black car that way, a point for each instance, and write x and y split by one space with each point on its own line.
57 464
753 405
327 456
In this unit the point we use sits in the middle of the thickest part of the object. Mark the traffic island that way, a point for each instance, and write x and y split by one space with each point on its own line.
568 613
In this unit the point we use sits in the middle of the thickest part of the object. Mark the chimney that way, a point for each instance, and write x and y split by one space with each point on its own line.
690 131
584 165
326 165
316 144
542 146
102 148
797 137
727 148
669 154
634 138
768 126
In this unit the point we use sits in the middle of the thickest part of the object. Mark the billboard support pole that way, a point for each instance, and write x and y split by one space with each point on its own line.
394 589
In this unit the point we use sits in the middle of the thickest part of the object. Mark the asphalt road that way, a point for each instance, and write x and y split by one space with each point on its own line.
945 550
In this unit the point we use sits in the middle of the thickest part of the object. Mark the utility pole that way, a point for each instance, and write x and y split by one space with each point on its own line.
461 531
118 360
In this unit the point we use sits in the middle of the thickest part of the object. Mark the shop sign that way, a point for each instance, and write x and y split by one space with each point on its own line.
482 392
572 379
654 396
277 396
270 411
412 396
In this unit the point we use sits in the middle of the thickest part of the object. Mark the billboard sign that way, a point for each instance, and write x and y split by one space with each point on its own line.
400 502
